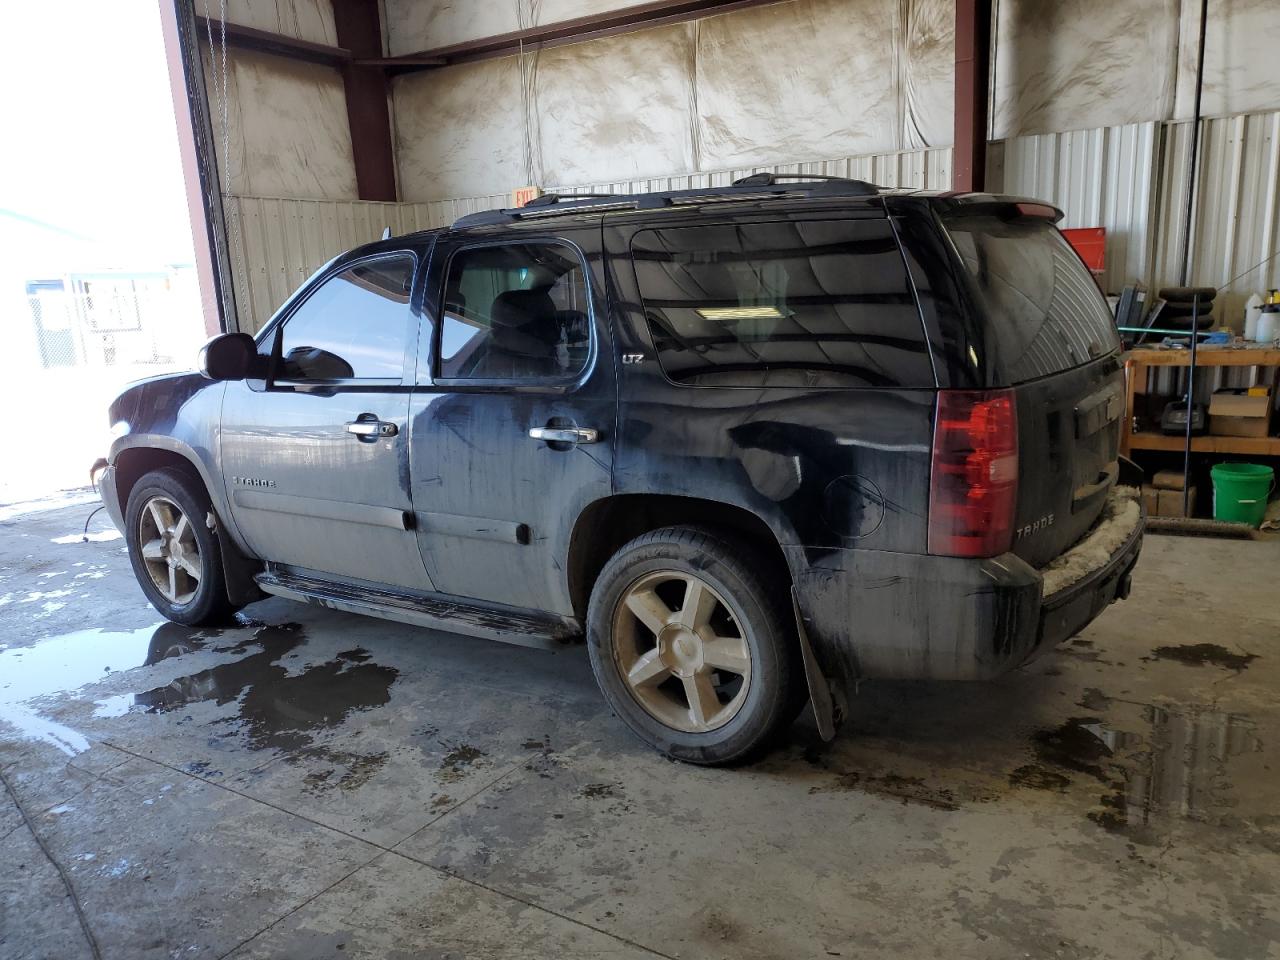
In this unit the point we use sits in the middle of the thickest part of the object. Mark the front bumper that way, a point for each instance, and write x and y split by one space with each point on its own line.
110 499
875 614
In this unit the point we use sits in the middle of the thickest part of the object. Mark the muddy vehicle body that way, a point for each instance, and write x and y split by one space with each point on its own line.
753 442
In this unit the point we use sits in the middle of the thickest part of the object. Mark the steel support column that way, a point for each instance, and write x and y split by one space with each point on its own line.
359 30
973 69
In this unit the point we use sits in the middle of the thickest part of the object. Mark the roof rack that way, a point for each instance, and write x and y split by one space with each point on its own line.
757 186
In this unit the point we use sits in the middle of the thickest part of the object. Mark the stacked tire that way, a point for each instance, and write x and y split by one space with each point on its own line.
1180 302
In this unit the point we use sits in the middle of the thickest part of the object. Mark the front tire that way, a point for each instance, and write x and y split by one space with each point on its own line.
693 651
175 555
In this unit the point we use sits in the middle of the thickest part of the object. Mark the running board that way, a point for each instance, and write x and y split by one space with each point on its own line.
438 612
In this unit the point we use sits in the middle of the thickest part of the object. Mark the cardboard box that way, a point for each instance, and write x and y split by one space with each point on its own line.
1167 480
1150 500
1165 503
1240 413
1170 503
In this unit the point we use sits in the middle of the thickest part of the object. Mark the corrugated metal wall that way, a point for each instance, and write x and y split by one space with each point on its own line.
276 244
1235 223
1099 178
1129 179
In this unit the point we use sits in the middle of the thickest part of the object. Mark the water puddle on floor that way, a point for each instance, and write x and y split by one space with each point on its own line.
59 665
1154 764
277 708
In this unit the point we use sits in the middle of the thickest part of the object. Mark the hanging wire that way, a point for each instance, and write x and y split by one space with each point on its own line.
528 13
1261 263
221 93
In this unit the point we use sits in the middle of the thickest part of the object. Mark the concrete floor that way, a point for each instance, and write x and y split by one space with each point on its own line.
312 784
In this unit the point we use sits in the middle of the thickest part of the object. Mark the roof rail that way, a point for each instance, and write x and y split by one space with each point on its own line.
758 186
767 179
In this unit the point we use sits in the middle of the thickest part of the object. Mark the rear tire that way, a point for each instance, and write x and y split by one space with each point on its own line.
691 648
176 557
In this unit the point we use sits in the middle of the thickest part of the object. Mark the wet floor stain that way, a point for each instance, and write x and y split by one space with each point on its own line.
610 795
279 709
346 770
1155 765
1204 654
456 763
898 787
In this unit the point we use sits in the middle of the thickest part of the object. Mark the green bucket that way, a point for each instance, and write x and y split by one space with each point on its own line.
1240 492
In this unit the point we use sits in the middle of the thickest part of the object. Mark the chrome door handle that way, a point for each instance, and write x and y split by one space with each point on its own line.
372 428
565 434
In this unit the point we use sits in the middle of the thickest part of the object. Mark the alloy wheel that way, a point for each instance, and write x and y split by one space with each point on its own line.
681 651
170 550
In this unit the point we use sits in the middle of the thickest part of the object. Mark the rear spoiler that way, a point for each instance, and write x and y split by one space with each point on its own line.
1005 208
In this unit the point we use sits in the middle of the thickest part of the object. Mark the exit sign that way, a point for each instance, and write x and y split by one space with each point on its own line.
522 195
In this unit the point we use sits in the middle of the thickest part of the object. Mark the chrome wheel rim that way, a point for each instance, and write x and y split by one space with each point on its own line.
170 551
681 651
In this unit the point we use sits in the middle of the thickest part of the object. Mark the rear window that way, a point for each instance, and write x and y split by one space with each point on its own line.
792 303
1043 306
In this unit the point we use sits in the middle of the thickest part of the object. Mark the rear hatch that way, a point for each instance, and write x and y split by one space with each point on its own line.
1050 336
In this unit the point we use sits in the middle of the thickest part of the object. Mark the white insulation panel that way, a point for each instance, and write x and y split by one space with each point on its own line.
310 20
285 131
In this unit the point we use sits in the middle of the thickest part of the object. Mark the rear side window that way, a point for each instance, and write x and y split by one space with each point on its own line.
1043 308
789 303
517 312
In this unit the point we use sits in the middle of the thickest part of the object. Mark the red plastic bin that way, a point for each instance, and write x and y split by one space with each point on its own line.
1091 244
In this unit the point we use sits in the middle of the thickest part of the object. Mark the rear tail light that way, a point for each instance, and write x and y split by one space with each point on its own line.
974 483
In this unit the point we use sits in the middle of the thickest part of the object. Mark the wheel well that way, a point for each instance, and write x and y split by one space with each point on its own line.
607 524
135 463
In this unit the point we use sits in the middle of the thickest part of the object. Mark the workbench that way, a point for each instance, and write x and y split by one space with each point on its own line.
1138 361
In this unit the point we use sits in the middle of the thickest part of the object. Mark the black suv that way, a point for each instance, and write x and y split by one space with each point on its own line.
755 442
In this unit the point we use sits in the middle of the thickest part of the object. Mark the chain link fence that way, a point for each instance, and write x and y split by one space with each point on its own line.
113 325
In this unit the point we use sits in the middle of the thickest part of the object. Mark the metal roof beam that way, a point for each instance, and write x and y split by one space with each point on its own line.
641 16
263 41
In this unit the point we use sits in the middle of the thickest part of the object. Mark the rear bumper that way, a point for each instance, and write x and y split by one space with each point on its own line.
882 615
1068 611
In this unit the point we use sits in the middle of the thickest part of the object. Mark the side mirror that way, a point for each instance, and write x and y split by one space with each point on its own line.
228 356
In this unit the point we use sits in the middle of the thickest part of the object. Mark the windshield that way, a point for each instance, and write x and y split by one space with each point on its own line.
1045 311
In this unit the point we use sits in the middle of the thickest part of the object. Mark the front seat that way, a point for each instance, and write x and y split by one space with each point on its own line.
522 337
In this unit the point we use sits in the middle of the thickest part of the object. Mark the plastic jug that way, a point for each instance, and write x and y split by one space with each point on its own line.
1269 323
1252 307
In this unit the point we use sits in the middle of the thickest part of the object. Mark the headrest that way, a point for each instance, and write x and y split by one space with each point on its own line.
517 309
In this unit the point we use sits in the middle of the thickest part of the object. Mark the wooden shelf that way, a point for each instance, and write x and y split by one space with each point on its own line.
1205 357
1254 446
